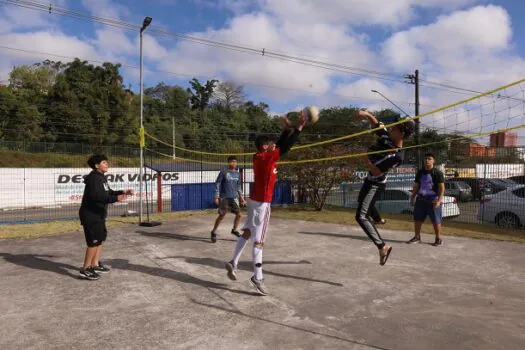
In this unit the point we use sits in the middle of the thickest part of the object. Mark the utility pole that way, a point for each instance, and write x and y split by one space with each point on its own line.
173 131
414 79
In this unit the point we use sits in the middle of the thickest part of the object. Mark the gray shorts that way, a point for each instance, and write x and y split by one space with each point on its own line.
229 205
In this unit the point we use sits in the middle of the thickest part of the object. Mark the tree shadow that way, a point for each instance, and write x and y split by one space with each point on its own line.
124 264
238 312
35 261
180 237
247 266
340 235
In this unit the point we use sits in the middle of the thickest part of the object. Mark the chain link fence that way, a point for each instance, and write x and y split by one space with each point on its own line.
43 182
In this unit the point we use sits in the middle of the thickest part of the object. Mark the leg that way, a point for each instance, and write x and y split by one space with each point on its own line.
231 266
374 214
259 239
235 209
436 217
96 257
236 221
367 198
217 222
420 213
90 256
92 241
222 213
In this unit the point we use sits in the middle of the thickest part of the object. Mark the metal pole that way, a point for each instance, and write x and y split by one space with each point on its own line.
141 128
173 131
418 121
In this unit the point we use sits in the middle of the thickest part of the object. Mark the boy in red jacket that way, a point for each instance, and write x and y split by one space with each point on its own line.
259 203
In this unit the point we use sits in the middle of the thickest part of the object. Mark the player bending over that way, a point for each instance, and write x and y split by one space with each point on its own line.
379 164
259 203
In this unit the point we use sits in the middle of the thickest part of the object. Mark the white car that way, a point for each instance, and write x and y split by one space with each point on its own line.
505 208
397 201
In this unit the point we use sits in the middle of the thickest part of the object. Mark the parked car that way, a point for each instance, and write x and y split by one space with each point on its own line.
520 179
478 186
397 201
505 208
459 190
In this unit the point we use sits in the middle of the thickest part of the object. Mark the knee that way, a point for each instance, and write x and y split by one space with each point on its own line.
221 216
246 234
259 245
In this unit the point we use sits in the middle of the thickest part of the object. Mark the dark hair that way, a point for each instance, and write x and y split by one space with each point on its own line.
430 154
262 140
96 159
231 158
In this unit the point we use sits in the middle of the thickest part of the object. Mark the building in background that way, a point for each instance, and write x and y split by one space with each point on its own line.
504 139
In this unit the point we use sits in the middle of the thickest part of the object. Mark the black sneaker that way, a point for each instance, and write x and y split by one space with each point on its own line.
414 240
438 242
213 237
236 233
101 268
89 274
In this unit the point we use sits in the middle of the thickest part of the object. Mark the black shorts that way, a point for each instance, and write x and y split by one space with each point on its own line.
229 205
95 233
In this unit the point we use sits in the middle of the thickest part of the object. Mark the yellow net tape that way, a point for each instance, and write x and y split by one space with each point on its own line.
355 155
346 137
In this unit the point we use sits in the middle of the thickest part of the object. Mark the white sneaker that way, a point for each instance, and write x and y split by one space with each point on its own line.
259 286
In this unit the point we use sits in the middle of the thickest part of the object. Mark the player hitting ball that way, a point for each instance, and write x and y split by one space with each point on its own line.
389 143
259 203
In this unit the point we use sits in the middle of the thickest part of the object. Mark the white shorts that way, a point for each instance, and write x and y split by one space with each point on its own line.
258 217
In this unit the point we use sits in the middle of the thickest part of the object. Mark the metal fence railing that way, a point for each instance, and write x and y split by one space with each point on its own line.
43 182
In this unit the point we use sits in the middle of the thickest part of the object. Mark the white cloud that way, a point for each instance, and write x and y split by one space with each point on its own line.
260 31
106 8
356 12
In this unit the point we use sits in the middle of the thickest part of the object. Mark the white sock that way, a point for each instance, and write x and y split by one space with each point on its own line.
257 263
241 243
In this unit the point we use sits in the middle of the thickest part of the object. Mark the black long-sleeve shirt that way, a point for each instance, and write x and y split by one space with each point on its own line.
97 196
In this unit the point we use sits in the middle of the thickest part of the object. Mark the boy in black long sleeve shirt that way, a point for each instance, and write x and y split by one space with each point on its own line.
93 213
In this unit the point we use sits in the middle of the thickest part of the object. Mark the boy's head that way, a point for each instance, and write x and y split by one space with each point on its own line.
402 131
263 143
429 160
232 162
98 162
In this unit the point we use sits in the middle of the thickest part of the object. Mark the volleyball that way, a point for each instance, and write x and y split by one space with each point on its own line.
312 113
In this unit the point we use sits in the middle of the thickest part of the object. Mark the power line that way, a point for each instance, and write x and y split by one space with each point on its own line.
193 75
235 47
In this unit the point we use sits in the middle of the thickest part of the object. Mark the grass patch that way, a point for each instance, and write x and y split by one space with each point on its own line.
20 159
54 228
338 215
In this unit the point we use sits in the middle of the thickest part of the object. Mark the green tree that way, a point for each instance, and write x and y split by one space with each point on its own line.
200 95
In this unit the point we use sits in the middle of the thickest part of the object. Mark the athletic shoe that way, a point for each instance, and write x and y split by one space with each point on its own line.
89 274
101 268
259 286
236 233
213 237
438 242
414 240
231 271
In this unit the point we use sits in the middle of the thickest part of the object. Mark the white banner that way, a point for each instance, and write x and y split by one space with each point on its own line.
43 187
499 171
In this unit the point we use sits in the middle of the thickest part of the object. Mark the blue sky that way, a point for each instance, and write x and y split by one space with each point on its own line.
465 43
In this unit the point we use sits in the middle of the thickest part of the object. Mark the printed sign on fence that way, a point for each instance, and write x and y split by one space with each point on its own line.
499 171
39 187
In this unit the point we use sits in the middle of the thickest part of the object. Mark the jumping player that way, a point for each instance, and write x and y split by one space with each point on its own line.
379 164
228 196
93 213
258 212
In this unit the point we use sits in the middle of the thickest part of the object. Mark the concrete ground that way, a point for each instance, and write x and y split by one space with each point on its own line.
168 289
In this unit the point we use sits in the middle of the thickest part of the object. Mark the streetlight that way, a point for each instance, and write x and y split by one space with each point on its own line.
145 24
386 98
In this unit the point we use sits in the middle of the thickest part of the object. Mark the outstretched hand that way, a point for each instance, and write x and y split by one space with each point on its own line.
303 120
